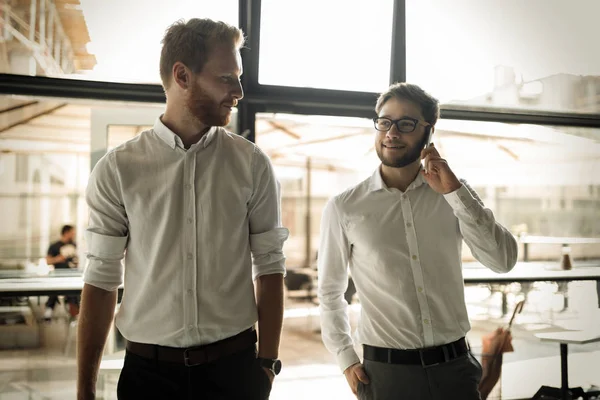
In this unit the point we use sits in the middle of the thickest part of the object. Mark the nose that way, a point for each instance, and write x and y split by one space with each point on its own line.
393 133
238 91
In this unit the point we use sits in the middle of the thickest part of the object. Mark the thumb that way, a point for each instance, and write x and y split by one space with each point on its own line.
361 375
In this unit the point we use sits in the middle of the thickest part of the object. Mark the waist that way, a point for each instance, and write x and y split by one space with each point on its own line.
425 357
197 355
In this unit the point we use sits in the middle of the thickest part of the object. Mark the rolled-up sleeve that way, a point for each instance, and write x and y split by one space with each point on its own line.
490 243
267 234
106 235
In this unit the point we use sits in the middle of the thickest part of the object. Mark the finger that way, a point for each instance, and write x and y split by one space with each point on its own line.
361 374
429 150
436 165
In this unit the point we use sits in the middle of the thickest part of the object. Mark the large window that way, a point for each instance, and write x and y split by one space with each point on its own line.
333 44
534 54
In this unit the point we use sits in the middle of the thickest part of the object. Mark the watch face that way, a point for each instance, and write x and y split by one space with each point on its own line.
273 365
277 367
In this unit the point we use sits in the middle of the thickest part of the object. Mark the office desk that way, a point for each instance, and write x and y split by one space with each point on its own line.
564 339
528 272
475 273
58 282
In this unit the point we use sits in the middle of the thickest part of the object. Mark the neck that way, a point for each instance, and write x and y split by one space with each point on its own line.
184 125
400 178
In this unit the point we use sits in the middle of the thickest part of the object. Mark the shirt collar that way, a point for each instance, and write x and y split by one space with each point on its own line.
172 140
376 182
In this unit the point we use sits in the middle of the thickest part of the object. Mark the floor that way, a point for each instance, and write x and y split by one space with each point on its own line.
309 370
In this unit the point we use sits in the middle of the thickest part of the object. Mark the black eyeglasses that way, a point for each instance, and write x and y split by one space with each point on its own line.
404 125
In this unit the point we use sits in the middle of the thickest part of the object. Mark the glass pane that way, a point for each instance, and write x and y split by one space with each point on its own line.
119 134
536 179
44 168
106 40
535 54
326 44
332 153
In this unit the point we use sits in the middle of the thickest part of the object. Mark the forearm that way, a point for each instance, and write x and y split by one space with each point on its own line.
50 260
493 246
490 243
95 318
269 301
336 330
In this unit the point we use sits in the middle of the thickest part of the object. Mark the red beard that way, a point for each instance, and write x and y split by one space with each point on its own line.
205 110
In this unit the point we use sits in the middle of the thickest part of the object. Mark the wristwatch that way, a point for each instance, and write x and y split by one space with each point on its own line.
271 364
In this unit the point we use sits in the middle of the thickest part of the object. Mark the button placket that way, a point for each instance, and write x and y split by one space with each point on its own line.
415 264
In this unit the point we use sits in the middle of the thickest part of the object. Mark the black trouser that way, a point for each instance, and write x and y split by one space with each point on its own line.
52 300
238 376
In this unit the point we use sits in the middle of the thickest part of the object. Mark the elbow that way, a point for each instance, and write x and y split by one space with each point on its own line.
510 256
512 253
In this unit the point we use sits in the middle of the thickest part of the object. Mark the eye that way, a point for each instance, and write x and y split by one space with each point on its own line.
383 123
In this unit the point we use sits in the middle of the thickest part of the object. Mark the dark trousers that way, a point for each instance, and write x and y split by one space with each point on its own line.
238 376
52 300
454 379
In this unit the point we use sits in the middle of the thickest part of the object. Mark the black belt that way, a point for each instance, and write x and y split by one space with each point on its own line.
195 355
424 357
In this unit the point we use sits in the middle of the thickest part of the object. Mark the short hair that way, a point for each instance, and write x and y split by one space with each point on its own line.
430 106
191 43
66 229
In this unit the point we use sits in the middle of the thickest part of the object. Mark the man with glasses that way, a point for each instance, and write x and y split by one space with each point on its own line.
400 233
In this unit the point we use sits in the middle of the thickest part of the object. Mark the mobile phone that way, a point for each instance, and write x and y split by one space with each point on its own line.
427 144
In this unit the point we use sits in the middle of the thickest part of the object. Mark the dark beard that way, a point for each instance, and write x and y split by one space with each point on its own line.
408 158
205 110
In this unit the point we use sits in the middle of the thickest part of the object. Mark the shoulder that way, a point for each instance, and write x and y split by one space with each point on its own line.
349 198
233 140
353 193
244 149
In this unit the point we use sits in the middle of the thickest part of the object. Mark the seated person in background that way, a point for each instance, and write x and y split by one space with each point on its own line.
63 254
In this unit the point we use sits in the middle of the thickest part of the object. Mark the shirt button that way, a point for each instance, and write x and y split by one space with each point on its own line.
426 321
189 256
190 292
404 197
408 224
190 327
414 257
189 220
420 289
187 186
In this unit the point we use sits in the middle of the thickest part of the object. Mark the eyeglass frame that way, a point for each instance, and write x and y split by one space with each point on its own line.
395 122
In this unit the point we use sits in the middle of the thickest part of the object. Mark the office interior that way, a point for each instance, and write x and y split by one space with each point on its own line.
519 85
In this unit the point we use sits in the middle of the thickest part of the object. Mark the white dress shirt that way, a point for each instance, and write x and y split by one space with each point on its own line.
198 225
404 254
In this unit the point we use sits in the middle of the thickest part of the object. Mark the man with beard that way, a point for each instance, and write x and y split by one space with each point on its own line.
400 233
197 210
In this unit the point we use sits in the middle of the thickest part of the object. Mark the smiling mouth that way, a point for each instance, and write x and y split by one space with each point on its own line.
397 147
